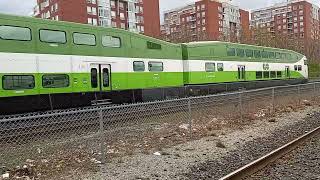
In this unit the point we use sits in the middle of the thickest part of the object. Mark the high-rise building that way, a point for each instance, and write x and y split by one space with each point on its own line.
141 16
206 20
296 19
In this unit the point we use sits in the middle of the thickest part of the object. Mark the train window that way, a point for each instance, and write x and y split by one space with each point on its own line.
278 55
111 41
299 68
138 66
105 76
257 54
15 33
249 53
266 74
155 66
240 52
94 78
306 62
271 55
16 82
259 75
55 80
220 67
265 54
53 36
84 39
152 45
279 74
231 52
295 67
273 74
210 67
289 56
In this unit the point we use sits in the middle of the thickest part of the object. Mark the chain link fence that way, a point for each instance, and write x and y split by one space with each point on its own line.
86 138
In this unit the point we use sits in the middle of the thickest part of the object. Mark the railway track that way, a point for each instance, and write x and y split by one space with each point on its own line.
253 167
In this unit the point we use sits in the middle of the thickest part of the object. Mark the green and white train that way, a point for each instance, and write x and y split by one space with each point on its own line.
48 64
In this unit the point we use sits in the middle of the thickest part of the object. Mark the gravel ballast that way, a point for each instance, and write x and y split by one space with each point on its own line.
214 156
254 149
301 163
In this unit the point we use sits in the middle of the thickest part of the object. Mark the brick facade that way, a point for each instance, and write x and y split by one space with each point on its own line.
140 16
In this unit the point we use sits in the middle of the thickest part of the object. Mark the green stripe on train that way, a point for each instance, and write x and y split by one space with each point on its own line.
80 82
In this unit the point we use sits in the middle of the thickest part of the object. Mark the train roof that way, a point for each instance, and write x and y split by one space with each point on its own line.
210 43
80 25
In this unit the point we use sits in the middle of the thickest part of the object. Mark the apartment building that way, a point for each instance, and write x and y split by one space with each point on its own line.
141 16
205 20
297 19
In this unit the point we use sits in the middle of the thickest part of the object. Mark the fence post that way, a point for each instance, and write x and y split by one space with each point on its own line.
273 100
299 94
190 117
314 90
240 105
101 133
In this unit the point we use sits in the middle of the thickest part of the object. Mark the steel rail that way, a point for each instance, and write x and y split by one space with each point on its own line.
264 161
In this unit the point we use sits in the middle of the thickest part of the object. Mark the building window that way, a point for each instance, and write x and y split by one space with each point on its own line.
123 25
113 3
84 39
122 16
52 36
279 74
111 41
210 67
156 66
17 82
15 33
92 21
113 14
138 66
92 10
121 5
55 81
203 6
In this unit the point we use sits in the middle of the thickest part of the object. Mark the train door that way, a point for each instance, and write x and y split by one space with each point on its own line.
241 73
100 77
287 72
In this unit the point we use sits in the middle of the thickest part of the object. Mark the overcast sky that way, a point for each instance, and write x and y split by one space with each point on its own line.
24 7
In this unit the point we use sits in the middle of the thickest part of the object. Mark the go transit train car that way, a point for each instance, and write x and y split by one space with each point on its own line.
49 65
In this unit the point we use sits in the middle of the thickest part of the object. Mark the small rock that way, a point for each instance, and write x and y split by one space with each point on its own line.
184 126
6 176
30 161
157 153
94 160
220 145
272 120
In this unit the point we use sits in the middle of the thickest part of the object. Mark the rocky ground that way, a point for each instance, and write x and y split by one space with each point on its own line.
214 156
302 163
